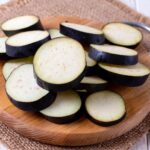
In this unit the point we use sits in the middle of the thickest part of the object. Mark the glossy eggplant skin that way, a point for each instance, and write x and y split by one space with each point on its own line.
26 50
36 106
59 87
65 119
130 81
36 26
105 124
90 88
91 70
83 95
84 38
4 56
105 57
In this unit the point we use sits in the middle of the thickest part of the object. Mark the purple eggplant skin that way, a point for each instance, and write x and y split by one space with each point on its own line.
4 56
90 88
26 50
65 119
112 58
130 81
83 95
105 124
59 87
36 106
36 26
86 38
91 71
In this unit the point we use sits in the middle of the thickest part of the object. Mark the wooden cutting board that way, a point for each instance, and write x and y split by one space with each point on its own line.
83 131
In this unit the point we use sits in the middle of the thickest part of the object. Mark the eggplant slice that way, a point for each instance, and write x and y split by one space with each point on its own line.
10 65
105 108
21 24
66 108
3 54
113 54
82 33
60 64
122 34
132 75
26 43
91 65
24 92
92 84
55 33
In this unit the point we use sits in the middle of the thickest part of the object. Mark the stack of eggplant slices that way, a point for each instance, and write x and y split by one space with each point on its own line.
50 71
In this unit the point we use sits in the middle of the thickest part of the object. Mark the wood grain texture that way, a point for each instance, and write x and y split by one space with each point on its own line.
83 131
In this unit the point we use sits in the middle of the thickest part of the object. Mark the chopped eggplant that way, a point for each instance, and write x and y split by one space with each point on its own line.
26 43
65 109
55 33
21 24
105 108
122 34
113 54
82 33
132 75
91 65
10 65
60 64
24 92
92 84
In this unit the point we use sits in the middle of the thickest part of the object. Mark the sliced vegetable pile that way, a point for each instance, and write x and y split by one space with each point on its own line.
21 24
51 72
25 93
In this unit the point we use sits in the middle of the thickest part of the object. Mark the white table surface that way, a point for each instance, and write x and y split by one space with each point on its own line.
142 6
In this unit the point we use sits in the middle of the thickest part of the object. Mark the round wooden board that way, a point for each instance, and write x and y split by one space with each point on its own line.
83 131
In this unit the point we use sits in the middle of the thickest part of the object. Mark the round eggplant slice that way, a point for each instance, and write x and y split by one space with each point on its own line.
24 92
105 108
92 84
82 33
26 43
21 24
55 33
3 54
60 64
10 65
122 34
113 54
132 75
91 65
65 109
